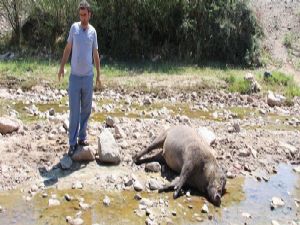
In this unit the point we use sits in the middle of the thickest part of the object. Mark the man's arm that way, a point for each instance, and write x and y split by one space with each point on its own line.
97 64
64 60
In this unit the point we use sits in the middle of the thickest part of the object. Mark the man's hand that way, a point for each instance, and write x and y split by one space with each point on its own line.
61 73
98 83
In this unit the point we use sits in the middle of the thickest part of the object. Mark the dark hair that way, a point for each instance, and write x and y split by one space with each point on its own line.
84 5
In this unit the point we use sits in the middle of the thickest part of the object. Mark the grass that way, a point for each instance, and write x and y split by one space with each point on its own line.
147 76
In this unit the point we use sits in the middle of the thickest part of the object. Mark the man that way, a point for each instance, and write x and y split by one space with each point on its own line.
82 41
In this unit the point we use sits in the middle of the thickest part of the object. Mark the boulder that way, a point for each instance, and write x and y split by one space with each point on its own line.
108 149
84 153
207 135
9 125
275 99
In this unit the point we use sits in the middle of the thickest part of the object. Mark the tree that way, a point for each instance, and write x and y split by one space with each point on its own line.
14 11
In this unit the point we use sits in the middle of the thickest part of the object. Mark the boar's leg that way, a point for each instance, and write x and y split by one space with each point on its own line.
157 143
156 158
185 173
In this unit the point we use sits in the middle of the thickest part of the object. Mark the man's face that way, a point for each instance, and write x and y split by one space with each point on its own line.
85 16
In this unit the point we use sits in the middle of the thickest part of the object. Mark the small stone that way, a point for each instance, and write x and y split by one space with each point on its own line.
77 185
204 209
1 209
190 206
76 221
138 186
53 202
84 206
68 197
153 167
137 197
230 175
34 188
154 184
106 201
274 222
247 215
51 112
297 169
276 203
174 213
110 122
244 153
44 195
199 219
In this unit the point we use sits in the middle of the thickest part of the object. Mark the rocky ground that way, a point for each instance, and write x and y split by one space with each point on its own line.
250 135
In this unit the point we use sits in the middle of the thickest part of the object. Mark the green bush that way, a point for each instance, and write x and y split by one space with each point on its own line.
193 31
238 84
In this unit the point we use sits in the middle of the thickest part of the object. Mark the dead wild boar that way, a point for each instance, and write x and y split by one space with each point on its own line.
188 154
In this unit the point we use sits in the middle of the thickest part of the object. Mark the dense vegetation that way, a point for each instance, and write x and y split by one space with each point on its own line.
189 30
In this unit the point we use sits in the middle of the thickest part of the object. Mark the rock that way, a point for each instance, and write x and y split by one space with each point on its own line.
44 195
297 169
247 215
110 122
53 202
275 99
106 201
147 101
108 149
236 127
9 125
77 185
76 221
84 206
274 222
146 202
137 197
276 203
230 175
51 112
66 124
68 197
244 152
138 186
262 111
153 167
288 148
204 209
1 209
207 135
119 133
66 162
154 184
84 153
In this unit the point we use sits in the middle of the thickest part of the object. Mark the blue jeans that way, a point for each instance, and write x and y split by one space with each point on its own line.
80 103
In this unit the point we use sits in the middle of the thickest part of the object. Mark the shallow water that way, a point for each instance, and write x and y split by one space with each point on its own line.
244 195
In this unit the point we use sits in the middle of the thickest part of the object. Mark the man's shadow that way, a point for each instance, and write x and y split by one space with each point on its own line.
52 175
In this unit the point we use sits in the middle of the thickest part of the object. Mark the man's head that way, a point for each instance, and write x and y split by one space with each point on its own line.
84 12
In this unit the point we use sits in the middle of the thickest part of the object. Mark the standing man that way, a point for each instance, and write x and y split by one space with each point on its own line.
82 41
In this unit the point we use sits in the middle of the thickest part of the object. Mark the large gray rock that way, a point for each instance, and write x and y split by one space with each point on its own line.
275 99
207 135
84 153
108 149
9 125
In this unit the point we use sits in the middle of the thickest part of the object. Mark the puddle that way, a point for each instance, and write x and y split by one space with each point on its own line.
244 195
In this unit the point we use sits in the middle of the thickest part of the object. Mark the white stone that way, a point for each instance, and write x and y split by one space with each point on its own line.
208 136
108 149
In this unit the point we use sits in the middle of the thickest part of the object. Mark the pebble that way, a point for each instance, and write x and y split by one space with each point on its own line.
106 201
68 197
204 209
84 206
138 186
77 185
53 202
276 203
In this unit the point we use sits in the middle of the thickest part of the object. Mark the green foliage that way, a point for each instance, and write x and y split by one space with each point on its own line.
238 84
192 31
279 78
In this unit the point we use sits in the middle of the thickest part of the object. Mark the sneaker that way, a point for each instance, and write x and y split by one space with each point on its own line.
72 150
83 143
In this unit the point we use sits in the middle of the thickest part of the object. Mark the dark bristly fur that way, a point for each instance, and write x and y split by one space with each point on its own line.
188 154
